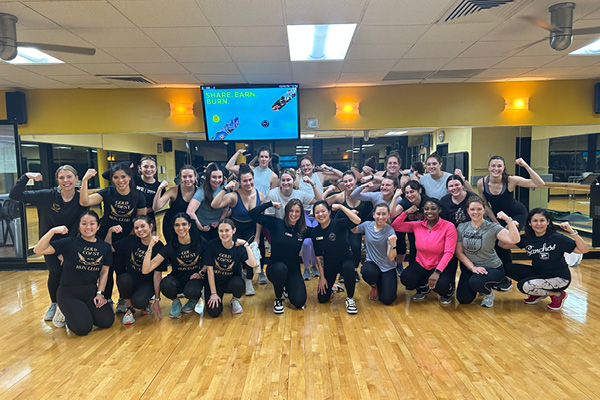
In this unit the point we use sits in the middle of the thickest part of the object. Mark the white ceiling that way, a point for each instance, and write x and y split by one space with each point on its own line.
193 42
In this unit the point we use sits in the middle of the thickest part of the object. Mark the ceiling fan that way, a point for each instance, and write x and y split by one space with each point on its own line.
560 27
9 44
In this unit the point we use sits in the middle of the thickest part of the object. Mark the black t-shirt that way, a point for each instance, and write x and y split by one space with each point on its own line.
286 242
118 210
134 251
455 213
52 210
185 259
547 254
331 243
225 262
83 260
417 215
148 190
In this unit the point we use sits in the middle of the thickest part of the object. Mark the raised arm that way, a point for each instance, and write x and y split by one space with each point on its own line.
18 191
349 213
395 208
318 196
391 247
43 247
150 264
161 199
267 220
331 172
400 224
230 166
224 199
359 195
251 262
111 230
467 185
191 211
86 199
534 181
510 234
582 247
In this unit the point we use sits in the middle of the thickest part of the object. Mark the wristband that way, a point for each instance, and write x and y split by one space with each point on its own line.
394 248
100 292
438 271
157 299
574 233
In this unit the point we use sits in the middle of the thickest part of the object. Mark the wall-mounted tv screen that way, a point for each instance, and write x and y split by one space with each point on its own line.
251 112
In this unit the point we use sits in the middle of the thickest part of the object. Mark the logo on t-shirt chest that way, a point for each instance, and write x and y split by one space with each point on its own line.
187 260
89 259
543 252
121 211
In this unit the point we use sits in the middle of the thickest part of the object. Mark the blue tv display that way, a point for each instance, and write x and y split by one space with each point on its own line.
251 112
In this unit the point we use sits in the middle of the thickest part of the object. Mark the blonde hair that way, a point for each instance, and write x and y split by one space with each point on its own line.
65 167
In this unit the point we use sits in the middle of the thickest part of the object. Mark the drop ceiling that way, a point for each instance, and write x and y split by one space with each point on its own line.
186 42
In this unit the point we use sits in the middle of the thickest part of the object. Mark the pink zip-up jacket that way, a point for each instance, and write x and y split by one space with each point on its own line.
435 247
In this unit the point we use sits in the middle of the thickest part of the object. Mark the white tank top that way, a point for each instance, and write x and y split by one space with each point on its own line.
306 188
262 179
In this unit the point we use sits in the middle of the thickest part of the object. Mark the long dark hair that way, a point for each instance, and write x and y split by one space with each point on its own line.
133 193
414 185
455 178
301 224
245 169
529 230
194 233
504 174
147 219
208 190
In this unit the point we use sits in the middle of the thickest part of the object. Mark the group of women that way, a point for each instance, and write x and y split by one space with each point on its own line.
209 232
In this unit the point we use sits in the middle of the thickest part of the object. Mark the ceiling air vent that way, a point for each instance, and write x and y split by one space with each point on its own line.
129 78
482 10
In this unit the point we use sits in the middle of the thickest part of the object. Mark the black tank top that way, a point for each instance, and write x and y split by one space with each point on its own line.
504 201
179 204
363 208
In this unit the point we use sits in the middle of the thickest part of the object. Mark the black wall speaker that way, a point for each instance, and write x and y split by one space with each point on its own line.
15 107
427 140
597 98
167 145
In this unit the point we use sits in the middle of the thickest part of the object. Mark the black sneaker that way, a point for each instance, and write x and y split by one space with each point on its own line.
278 306
505 285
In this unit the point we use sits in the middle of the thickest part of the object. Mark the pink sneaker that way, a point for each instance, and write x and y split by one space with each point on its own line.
533 299
557 301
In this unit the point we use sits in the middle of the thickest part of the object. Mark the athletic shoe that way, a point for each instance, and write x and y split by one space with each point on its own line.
175 309
50 313
59 319
488 300
189 306
285 293
421 295
199 307
262 278
356 276
351 306
236 307
306 274
121 307
128 318
147 310
341 279
314 271
399 269
374 295
557 301
505 285
533 299
278 306
249 288
110 304
337 288
445 300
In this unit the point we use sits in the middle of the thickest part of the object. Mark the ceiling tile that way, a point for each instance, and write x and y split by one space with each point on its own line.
216 79
374 77
443 50
56 36
445 80
315 78
242 12
99 57
587 72
446 33
199 54
106 69
77 80
473 62
414 64
377 51
28 19
171 79
400 82
269 78
139 55
115 37
389 34
315 67
277 67
525 62
493 49
393 12
39 82
183 36
14 70
81 14
514 29
272 53
252 36
323 12
159 68
220 68
503 73
53 69
160 13
368 65
573 61
549 72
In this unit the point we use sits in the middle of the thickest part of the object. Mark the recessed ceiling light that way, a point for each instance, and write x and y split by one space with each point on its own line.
396 133
592 49
307 136
319 42
29 55
367 145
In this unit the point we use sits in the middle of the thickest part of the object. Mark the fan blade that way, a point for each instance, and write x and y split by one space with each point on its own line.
88 51
586 31
518 49
541 23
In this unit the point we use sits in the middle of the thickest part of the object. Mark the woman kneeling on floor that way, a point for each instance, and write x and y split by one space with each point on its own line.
548 274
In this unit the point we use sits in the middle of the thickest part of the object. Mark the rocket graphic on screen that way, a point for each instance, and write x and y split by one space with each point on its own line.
227 129
283 100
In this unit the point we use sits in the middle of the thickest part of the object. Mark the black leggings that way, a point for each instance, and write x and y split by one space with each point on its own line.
331 270
416 277
387 282
531 283
54 272
289 277
355 241
210 234
81 314
470 284
118 266
234 285
245 230
170 286
139 292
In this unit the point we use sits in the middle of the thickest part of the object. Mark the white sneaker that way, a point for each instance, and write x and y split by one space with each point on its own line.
200 306
128 318
278 306
249 288
59 318
351 306
488 300
121 307
236 307
50 313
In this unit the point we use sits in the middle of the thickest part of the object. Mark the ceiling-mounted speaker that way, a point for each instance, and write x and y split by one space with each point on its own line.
16 110
167 145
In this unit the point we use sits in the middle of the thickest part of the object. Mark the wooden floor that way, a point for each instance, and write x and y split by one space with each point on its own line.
407 350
